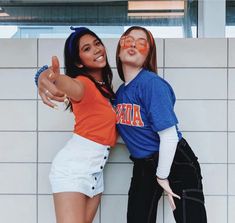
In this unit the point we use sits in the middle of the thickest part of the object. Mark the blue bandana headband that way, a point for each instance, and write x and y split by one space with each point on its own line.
76 32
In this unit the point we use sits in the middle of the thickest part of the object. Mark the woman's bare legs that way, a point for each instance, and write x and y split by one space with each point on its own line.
70 207
91 207
74 207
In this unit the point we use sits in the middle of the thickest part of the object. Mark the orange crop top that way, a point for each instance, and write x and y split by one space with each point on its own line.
95 118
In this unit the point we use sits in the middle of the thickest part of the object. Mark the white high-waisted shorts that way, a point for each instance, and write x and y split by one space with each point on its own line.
78 167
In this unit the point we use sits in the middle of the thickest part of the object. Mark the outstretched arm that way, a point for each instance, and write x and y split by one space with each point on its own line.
54 86
46 88
73 88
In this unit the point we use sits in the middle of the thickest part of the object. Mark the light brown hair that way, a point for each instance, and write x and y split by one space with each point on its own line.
151 59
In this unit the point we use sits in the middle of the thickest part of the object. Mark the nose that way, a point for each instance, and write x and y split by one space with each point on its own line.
96 50
133 44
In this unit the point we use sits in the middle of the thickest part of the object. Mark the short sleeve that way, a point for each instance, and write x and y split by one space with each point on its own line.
159 100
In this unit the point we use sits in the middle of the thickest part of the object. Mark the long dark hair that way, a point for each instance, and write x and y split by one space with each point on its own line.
151 60
72 58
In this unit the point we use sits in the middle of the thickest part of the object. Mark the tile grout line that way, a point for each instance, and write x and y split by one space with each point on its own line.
179 99
67 131
37 142
113 163
110 194
160 67
227 130
164 63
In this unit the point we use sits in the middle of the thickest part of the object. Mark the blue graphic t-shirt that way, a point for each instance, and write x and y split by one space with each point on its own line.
144 107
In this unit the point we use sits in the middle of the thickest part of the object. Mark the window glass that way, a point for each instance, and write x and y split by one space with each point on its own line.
230 18
35 19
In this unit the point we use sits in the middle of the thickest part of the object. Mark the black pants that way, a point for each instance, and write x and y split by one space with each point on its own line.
185 180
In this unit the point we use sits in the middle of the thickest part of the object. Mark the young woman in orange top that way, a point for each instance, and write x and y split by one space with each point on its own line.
77 170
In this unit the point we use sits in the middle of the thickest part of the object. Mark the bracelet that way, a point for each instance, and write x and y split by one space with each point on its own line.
38 73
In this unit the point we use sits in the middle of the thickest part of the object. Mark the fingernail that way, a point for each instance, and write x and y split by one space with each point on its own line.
56 107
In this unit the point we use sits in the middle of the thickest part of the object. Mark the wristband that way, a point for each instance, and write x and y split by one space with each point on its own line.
38 73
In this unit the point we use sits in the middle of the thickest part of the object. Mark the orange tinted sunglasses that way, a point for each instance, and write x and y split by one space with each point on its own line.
141 44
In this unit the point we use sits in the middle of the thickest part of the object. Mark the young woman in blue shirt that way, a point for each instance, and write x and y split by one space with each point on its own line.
163 160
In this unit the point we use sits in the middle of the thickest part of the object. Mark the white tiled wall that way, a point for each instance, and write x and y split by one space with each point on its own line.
202 73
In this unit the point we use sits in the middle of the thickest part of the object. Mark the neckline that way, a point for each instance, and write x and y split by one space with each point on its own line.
101 83
134 79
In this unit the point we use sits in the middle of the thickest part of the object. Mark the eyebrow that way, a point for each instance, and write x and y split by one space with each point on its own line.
137 38
88 44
